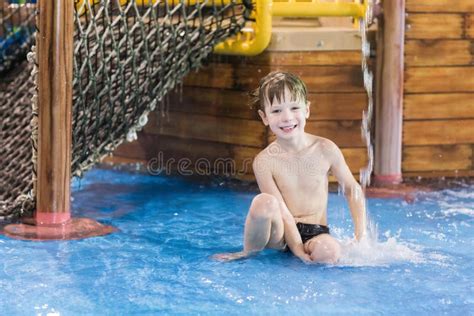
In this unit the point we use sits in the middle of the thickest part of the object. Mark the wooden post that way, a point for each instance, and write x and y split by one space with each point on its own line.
55 62
389 93
55 56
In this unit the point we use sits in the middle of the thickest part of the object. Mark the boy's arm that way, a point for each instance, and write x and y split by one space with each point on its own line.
266 184
352 190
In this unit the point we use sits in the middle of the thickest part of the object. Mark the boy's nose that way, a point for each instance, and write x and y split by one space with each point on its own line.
286 115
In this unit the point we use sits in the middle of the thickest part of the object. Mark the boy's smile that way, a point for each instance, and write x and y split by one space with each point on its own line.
288 129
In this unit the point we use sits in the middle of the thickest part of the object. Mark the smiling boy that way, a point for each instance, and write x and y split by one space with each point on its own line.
292 175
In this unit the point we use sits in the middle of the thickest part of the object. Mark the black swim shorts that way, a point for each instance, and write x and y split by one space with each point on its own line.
308 231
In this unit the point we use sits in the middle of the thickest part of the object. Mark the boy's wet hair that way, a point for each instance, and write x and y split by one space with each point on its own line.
272 87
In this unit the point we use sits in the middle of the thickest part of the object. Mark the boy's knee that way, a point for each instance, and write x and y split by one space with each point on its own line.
264 205
336 252
325 250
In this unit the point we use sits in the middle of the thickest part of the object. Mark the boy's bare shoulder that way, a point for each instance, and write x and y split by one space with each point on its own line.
328 148
270 151
324 143
264 159
267 157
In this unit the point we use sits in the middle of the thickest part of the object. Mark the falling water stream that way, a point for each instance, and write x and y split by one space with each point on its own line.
364 23
369 244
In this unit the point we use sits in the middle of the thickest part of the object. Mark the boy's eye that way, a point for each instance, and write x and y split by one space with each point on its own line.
276 111
295 108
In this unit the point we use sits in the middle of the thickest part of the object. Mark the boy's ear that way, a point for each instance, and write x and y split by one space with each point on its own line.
263 117
307 109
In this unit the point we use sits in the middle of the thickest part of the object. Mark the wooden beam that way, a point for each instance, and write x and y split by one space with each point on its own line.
438 53
313 58
337 106
177 154
235 104
206 127
438 132
434 26
439 106
246 77
434 6
439 79
437 158
55 45
389 93
148 146
469 25
212 101
316 78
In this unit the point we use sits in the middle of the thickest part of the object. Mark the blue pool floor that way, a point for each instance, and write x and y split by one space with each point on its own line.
159 261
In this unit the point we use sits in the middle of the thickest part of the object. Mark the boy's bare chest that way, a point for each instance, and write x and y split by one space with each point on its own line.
303 176
299 170
303 185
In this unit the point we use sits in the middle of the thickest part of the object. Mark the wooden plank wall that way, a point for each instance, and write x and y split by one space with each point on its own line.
438 129
212 121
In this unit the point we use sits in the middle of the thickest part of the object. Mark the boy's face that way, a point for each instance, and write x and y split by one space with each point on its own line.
287 118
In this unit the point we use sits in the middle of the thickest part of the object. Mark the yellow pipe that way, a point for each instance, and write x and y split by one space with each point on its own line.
262 33
316 9
266 9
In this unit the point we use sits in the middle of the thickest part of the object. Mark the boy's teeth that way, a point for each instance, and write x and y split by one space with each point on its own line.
288 128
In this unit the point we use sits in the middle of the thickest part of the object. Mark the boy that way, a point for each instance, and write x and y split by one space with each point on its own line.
292 174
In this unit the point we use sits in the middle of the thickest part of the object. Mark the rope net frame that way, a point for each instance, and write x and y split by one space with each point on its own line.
128 54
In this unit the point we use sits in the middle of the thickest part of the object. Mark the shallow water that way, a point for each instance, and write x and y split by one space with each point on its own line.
159 262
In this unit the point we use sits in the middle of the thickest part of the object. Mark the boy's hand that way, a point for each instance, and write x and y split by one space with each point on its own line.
303 255
360 235
305 258
230 256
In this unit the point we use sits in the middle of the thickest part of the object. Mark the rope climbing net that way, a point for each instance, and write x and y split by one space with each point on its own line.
128 54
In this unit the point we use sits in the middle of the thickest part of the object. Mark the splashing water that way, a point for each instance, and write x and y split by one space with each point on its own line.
370 252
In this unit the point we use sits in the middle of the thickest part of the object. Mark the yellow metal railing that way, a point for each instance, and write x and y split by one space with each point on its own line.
255 38
316 8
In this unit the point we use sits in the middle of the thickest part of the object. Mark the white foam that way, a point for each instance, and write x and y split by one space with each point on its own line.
374 253
370 252
463 194
458 211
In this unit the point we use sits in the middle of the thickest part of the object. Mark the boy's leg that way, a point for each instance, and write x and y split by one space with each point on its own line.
264 226
323 249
